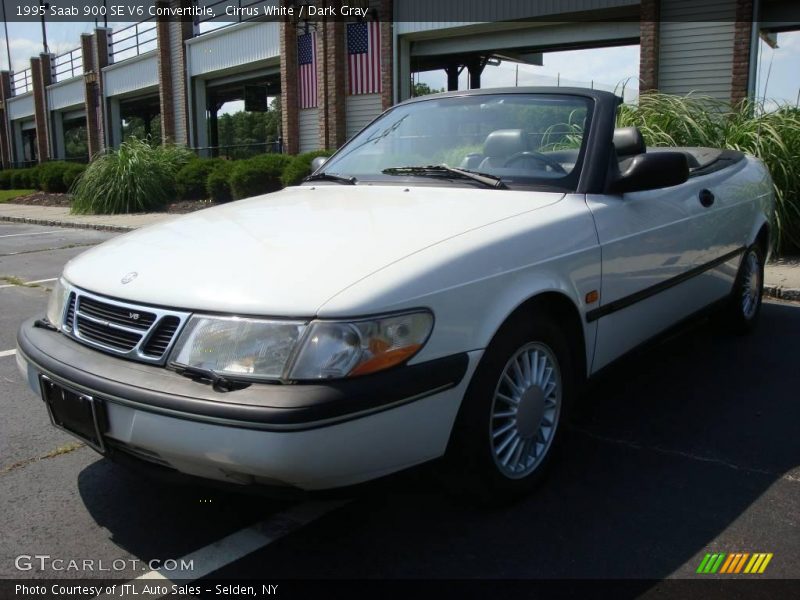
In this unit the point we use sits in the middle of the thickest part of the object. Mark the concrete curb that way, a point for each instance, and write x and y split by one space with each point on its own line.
774 291
73 225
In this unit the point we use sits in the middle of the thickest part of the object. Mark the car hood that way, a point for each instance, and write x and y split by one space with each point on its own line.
287 253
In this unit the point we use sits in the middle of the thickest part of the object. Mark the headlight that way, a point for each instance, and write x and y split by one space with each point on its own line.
296 351
57 303
238 346
333 349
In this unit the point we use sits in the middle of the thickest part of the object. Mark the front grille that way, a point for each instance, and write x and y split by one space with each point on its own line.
69 320
160 339
103 334
145 334
116 314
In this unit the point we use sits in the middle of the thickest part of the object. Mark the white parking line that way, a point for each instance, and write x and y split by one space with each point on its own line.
238 545
37 233
8 285
5 353
246 541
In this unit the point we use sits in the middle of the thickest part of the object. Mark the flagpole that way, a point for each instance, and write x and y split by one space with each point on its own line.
45 6
8 47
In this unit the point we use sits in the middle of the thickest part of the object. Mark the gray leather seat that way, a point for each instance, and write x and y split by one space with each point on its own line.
501 145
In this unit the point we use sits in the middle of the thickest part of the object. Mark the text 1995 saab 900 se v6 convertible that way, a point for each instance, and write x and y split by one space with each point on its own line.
441 286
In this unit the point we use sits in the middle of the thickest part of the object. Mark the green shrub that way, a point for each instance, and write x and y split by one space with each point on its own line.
33 177
5 179
258 175
51 176
218 186
18 178
774 137
134 178
24 179
192 177
71 174
300 166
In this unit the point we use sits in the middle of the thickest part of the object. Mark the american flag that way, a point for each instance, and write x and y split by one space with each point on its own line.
364 57
307 59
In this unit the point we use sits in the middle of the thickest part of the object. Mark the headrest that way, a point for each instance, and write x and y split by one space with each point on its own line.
505 142
628 141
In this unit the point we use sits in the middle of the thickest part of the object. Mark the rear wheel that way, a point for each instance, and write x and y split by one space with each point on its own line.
744 304
512 415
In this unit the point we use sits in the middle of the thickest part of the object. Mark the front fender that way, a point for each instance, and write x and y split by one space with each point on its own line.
474 281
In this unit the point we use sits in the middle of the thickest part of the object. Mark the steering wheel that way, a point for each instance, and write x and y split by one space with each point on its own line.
538 156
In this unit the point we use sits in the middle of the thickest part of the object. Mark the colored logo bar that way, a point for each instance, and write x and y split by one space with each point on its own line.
734 563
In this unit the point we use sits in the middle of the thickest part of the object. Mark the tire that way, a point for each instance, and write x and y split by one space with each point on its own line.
495 456
744 305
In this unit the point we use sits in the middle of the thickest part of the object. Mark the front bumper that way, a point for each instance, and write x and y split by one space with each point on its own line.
308 436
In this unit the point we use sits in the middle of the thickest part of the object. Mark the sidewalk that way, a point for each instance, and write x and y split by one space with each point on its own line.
781 278
58 215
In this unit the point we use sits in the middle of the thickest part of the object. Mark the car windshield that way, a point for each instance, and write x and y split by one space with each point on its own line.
516 140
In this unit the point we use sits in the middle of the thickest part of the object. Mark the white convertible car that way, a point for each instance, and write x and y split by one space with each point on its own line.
441 286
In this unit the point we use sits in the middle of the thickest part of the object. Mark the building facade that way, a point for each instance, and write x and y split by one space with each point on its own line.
332 77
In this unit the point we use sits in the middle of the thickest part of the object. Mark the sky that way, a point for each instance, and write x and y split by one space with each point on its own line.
606 68
25 41
779 70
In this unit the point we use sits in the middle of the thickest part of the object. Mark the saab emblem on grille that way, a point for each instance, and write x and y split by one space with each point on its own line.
129 277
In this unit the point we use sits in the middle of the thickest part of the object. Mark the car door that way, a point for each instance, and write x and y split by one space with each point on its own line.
655 252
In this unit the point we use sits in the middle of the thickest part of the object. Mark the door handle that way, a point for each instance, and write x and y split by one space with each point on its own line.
706 198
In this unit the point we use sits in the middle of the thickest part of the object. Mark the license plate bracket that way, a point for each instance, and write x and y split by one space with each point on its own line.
76 413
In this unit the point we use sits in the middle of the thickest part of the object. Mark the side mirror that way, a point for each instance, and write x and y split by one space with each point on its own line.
652 171
317 163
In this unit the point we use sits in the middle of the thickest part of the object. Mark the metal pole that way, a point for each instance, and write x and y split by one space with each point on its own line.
8 48
46 7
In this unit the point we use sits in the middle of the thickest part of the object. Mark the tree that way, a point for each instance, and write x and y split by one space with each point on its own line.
423 89
236 131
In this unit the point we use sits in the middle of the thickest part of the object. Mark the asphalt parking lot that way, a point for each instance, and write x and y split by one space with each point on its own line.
689 447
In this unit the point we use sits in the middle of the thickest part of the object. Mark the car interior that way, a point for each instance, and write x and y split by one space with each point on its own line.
509 152
629 142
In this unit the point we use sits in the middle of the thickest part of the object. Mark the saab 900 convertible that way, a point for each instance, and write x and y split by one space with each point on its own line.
440 287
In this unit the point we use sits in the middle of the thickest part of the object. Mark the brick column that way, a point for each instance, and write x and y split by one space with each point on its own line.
290 127
333 91
181 31
648 45
42 74
91 95
100 60
742 37
386 16
165 76
322 40
171 35
5 136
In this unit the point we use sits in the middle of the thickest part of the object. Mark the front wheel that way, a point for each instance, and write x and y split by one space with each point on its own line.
744 304
513 412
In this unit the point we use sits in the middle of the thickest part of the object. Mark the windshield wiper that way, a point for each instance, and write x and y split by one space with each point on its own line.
219 382
331 177
443 170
